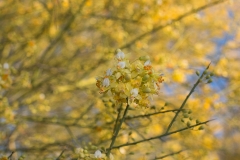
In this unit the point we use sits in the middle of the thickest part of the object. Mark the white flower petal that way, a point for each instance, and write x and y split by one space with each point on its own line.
6 66
98 154
120 55
106 82
147 63
122 64
134 92
109 72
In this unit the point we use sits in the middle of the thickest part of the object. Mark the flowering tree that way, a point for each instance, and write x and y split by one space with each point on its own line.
52 50
133 84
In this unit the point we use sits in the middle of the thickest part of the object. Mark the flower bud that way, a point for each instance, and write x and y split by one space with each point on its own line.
209 81
188 124
201 128
211 74
185 115
208 77
145 77
197 73
146 90
197 121
127 77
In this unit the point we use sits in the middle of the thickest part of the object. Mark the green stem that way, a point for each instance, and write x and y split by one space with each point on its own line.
118 117
115 134
185 101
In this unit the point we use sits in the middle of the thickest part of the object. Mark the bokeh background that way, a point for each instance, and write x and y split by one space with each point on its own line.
56 48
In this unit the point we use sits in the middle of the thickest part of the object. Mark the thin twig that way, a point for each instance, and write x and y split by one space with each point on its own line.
167 155
84 113
58 158
161 136
185 101
151 114
10 155
117 129
62 32
71 134
170 23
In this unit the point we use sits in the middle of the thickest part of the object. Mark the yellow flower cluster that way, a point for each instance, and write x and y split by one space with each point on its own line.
135 81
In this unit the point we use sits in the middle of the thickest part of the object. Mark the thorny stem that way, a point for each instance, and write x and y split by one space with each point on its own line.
117 129
185 101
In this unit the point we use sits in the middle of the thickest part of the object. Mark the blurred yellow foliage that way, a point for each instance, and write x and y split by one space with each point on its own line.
178 76
54 49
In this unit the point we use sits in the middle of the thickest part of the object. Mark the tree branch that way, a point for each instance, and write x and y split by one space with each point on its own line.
161 136
151 114
59 157
171 22
185 101
62 32
167 155
117 129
